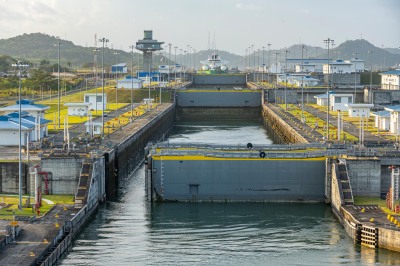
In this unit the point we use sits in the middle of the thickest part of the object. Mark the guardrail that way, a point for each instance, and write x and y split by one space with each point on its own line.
256 151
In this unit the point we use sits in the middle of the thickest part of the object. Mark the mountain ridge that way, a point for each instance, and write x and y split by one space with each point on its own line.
39 46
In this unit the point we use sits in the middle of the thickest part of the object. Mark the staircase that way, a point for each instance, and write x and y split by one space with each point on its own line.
84 183
345 183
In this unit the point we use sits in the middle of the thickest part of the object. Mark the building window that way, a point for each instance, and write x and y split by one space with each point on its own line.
338 99
86 99
99 99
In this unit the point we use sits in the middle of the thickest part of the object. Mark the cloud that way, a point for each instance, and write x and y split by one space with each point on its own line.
246 6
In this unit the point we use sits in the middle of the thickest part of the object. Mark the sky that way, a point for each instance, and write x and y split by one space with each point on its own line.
236 24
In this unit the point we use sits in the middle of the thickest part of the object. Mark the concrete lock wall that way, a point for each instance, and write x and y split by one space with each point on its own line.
9 177
123 159
199 113
365 176
228 79
64 174
240 180
389 239
218 99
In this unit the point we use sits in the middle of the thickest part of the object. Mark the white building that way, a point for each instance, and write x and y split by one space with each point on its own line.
32 129
93 128
130 83
382 119
339 101
96 99
307 67
307 81
394 118
338 66
390 80
29 106
119 68
356 64
359 109
322 99
78 109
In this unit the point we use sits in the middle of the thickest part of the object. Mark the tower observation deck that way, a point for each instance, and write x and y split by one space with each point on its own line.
148 46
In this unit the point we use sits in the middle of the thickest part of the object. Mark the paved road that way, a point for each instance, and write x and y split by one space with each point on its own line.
347 127
302 128
32 240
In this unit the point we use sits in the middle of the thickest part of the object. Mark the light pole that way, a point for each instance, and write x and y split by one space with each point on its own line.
370 79
302 85
355 76
254 63
269 58
258 64
263 64
116 77
148 103
328 42
20 66
276 67
176 47
104 41
286 74
245 60
169 62
95 50
132 47
181 65
58 44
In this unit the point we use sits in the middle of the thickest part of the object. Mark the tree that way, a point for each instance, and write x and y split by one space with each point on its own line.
41 79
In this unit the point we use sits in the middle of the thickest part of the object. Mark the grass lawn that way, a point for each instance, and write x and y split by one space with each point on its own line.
9 205
361 200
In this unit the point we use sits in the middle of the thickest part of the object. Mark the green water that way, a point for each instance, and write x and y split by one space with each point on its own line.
132 231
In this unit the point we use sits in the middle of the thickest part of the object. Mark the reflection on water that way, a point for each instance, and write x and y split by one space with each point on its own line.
219 132
132 231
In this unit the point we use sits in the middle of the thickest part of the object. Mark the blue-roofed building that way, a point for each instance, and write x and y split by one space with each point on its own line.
119 68
130 83
29 106
382 120
390 80
394 118
32 128
322 99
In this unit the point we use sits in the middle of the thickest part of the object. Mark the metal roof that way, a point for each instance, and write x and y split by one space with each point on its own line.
321 96
391 72
383 113
393 108
28 105
10 125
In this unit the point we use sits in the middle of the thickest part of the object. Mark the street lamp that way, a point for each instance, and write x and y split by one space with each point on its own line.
355 76
302 85
370 79
328 43
95 50
254 63
269 57
286 74
132 47
149 51
176 47
116 77
263 64
104 41
20 66
58 44
276 67
169 62
258 64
